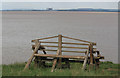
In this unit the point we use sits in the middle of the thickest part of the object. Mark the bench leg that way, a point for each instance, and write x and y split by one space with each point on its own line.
91 66
55 61
54 64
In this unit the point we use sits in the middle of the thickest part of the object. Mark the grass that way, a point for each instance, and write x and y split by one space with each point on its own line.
0 70
105 69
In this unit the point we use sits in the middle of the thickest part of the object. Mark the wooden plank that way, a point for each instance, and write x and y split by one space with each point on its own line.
65 51
60 49
85 61
30 59
60 56
65 43
49 46
75 47
74 43
45 38
50 50
74 51
49 42
65 47
79 40
42 47
54 62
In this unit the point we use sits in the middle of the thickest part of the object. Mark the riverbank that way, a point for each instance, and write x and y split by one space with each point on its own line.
105 69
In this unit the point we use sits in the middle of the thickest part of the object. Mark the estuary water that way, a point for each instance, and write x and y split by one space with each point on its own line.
20 27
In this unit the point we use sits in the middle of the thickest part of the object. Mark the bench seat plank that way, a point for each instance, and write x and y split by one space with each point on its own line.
66 56
60 56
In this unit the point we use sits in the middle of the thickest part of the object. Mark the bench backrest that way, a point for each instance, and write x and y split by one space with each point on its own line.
80 47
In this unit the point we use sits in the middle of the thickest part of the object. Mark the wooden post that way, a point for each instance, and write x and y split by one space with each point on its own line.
30 59
60 49
36 58
91 55
85 61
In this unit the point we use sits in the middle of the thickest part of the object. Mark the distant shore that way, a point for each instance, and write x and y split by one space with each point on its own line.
62 11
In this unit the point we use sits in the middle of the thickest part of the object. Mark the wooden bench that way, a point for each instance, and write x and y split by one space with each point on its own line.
87 50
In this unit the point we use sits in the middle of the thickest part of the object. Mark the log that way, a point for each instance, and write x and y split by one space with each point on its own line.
30 59
79 40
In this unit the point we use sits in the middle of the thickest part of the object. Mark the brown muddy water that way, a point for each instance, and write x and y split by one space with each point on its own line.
20 27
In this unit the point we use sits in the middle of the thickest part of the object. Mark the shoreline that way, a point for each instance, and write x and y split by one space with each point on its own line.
62 11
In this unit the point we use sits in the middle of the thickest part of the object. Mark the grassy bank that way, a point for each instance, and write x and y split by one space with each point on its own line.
106 69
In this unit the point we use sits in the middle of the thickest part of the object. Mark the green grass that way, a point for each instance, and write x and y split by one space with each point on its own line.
0 70
105 69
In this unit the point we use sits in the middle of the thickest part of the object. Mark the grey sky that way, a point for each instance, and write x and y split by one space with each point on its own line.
58 5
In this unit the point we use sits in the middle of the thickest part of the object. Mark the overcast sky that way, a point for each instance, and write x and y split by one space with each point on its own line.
58 5
60 0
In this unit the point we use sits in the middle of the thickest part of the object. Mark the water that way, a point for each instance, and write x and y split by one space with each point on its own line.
20 27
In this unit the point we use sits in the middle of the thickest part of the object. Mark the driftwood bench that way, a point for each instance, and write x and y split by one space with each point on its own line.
87 50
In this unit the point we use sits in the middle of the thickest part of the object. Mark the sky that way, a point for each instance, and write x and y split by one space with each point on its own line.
58 5
60 0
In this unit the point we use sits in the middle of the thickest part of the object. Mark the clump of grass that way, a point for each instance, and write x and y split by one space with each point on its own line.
105 69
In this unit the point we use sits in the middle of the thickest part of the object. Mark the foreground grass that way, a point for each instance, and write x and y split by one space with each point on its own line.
0 70
106 69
